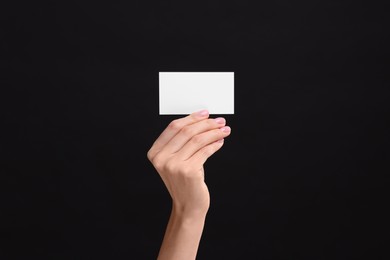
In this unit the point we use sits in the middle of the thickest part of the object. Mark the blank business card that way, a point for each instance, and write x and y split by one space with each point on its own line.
182 93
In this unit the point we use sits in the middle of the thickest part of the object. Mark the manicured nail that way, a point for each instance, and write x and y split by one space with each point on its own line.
225 129
203 113
220 120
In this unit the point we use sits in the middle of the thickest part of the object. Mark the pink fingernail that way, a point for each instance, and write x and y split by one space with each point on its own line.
225 129
220 120
203 113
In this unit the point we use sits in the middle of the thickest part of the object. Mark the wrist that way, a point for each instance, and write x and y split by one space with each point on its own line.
189 223
188 214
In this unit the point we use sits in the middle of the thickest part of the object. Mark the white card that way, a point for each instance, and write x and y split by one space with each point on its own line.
186 92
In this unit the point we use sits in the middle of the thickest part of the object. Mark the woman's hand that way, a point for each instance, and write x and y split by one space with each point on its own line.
178 155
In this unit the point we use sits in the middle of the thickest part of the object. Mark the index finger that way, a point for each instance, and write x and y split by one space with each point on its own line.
173 128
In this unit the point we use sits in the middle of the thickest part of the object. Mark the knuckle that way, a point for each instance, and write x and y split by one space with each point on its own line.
170 166
149 155
211 123
208 151
219 133
175 125
208 124
187 131
158 161
197 139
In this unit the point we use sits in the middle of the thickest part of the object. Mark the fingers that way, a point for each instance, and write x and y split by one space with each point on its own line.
190 131
202 140
201 156
173 128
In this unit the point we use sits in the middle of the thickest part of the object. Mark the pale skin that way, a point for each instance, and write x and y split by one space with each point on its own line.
178 155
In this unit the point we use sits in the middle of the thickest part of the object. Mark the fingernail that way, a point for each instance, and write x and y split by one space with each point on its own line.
220 120
203 113
225 129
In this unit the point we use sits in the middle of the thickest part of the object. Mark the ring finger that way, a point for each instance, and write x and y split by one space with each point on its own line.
199 141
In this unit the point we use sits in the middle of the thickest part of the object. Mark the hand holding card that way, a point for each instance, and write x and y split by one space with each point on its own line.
185 92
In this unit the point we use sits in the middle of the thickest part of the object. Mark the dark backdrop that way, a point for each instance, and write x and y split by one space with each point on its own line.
301 177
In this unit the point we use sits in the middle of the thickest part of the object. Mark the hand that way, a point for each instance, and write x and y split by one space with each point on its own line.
179 154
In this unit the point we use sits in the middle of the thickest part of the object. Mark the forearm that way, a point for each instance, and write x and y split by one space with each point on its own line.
182 236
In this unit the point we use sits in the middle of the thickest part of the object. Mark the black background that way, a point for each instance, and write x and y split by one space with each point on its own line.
301 177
